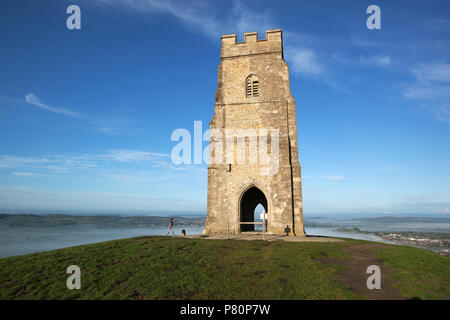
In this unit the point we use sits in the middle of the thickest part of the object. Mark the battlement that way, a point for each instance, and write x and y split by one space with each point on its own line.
273 43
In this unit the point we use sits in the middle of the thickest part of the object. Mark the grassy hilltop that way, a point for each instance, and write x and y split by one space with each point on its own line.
177 268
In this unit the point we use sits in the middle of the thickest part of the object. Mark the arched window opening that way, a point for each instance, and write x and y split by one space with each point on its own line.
258 216
252 86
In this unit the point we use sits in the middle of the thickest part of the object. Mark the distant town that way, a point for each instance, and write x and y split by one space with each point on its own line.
433 241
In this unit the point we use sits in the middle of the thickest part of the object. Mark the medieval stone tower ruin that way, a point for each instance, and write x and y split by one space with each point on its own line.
254 114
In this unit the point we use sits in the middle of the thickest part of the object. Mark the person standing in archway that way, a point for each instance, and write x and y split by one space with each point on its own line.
171 221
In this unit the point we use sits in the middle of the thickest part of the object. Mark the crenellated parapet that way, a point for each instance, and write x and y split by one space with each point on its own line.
273 43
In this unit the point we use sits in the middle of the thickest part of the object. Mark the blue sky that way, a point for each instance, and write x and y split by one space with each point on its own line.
86 115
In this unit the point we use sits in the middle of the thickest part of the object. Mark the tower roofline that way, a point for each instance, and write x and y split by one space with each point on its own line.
273 34
273 43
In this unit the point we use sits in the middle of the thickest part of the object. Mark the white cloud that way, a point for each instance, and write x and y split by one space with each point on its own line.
107 130
364 42
377 60
125 155
34 100
244 19
431 87
442 112
15 161
67 163
426 90
200 16
108 123
434 72
335 177
304 62
26 174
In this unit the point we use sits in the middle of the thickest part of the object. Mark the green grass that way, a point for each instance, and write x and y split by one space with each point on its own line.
175 268
420 274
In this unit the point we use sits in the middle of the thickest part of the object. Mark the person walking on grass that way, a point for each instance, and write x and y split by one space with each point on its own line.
171 227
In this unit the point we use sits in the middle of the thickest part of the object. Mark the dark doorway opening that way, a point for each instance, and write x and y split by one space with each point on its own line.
249 201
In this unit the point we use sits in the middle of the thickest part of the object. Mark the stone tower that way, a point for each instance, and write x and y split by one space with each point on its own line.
254 104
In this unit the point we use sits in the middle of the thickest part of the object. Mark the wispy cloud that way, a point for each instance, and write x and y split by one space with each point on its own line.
54 163
432 72
431 88
442 112
34 100
372 60
365 42
125 155
108 124
138 172
334 177
107 130
304 62
7 161
201 16
426 90
66 163
26 174
124 123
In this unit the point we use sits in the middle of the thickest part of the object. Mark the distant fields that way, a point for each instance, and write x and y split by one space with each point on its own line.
177 268
98 221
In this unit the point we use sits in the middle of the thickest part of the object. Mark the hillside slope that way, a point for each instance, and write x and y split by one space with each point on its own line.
177 268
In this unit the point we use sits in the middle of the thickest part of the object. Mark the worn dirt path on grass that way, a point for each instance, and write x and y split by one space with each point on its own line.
355 273
355 266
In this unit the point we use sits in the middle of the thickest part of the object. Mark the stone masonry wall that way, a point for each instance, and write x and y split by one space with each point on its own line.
273 109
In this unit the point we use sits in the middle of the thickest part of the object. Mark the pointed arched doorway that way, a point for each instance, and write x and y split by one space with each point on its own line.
249 200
